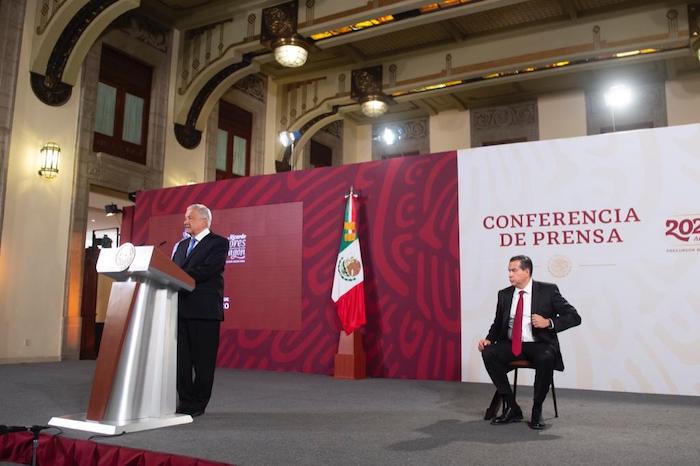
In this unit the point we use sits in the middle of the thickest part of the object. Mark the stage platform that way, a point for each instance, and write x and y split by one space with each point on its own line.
269 418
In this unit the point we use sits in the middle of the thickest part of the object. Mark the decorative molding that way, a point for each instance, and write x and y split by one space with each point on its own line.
48 10
50 92
517 121
413 137
49 88
250 33
506 116
279 22
253 85
366 81
672 17
145 30
334 128
596 37
392 75
188 135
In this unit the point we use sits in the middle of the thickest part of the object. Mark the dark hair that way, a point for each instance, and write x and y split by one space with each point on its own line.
525 262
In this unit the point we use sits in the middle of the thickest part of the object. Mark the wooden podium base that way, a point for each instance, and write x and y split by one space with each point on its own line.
350 361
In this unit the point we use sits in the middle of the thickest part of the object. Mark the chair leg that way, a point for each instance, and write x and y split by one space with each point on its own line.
515 383
554 398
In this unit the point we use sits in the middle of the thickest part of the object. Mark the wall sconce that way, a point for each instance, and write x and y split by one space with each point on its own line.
112 209
50 153
279 32
695 47
694 28
366 88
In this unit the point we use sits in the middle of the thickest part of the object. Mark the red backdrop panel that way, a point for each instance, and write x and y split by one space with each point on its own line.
264 251
409 237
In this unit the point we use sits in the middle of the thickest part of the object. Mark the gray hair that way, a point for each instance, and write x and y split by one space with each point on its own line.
203 211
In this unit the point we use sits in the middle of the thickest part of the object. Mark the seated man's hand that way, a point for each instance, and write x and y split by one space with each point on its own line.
539 322
483 344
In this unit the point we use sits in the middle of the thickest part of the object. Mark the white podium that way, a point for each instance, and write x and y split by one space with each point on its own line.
134 383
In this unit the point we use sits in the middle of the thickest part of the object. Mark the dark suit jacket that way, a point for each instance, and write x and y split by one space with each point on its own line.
547 302
206 265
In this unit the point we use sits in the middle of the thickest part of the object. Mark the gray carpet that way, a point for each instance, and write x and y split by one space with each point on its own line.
267 418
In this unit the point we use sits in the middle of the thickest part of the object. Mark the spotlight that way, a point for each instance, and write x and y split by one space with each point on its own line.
388 136
288 138
618 96
112 209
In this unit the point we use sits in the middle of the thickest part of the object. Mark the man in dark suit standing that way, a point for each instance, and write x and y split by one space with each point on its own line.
200 311
529 315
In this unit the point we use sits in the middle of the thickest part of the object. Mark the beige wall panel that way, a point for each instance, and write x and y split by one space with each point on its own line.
36 221
562 115
449 131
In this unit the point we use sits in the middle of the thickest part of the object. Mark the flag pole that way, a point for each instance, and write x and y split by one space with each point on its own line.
350 360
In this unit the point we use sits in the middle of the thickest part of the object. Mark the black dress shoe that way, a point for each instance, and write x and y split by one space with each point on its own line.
536 419
510 414
196 412
492 410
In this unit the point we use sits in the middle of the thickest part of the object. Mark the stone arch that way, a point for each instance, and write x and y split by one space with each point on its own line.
65 43
204 93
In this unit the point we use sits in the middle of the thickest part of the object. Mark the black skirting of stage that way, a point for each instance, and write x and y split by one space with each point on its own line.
263 418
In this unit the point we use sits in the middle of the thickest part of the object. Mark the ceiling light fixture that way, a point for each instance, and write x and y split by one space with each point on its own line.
291 52
373 106
279 32
366 88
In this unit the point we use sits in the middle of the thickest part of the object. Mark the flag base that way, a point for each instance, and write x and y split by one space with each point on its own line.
350 361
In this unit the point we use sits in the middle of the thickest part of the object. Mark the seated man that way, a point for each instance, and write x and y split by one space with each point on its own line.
529 315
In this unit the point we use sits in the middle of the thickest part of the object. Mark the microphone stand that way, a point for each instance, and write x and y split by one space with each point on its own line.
35 430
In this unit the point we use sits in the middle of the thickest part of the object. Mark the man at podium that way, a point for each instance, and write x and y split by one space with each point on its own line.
200 311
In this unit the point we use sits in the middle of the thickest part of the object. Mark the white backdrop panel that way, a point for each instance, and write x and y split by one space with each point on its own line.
637 291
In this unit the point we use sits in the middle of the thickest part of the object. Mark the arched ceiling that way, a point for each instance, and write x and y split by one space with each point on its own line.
437 26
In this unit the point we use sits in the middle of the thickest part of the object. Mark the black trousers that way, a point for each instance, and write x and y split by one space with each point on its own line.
498 355
197 345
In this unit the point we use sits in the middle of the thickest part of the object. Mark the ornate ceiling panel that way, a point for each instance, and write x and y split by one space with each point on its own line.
407 39
518 15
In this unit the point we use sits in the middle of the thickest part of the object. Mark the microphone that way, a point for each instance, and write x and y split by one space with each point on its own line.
162 242
8 429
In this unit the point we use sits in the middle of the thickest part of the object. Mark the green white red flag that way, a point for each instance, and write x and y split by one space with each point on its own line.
348 282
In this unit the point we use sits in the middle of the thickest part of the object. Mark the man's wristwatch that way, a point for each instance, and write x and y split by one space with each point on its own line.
551 324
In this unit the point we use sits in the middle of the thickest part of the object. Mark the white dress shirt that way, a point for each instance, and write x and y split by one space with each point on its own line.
527 312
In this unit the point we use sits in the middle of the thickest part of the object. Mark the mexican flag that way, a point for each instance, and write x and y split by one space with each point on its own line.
348 287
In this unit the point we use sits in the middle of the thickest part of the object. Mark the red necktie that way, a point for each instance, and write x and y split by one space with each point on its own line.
517 340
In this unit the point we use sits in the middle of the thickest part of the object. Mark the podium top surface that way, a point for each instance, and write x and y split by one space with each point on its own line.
128 261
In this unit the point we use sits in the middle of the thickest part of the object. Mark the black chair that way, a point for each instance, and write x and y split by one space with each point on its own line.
496 401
